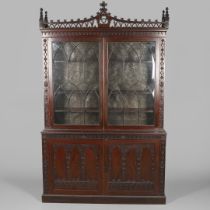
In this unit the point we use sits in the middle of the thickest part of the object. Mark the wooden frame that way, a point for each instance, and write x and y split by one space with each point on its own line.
103 28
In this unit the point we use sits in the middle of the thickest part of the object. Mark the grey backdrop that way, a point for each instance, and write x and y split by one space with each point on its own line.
187 99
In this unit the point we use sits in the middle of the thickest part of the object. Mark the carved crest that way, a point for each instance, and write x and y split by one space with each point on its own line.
103 19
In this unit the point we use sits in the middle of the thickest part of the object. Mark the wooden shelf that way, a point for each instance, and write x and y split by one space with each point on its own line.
77 110
139 92
131 110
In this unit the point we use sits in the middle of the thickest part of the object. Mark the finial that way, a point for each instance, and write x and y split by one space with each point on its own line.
45 18
41 15
103 5
163 16
167 14
41 20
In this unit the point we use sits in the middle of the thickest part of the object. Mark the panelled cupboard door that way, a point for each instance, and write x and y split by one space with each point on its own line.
132 167
74 166
112 167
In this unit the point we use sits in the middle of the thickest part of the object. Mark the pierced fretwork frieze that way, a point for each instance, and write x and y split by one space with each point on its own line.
103 19
69 33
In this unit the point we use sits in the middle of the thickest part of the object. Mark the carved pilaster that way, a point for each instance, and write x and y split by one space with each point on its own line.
162 167
161 80
45 163
46 82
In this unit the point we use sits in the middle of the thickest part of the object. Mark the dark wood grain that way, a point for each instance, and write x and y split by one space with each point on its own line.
104 163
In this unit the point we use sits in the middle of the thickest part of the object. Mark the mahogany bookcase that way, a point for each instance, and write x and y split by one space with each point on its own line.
104 140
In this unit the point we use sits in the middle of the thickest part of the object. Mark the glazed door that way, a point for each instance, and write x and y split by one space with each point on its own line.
128 82
76 79
131 75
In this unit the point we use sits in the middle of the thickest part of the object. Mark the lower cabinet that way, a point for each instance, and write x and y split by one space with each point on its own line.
103 168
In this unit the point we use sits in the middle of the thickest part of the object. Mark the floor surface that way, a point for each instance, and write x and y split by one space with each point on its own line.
24 193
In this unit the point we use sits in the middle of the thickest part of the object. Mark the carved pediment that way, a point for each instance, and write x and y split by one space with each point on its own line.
103 19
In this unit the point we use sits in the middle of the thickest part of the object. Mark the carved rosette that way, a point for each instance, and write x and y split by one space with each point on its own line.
46 81
161 81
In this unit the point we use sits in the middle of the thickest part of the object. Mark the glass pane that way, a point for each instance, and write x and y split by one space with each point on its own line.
75 70
131 83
